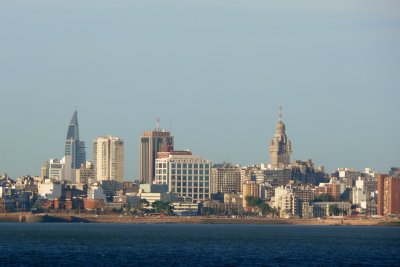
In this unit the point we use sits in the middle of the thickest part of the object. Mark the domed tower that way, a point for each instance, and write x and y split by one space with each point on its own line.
280 148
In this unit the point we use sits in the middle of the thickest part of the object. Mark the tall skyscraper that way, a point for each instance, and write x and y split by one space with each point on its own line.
108 158
151 143
280 148
73 146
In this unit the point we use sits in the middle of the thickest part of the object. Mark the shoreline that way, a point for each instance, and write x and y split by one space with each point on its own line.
74 218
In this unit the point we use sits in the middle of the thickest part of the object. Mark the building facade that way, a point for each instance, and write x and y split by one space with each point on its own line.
108 154
151 143
186 175
388 195
250 189
225 178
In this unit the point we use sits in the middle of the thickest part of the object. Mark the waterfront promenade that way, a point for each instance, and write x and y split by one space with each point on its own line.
75 218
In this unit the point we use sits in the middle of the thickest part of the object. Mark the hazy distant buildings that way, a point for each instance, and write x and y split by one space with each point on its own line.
280 148
186 175
108 154
151 143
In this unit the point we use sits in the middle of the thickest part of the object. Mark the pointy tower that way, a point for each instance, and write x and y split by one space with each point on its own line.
280 148
74 148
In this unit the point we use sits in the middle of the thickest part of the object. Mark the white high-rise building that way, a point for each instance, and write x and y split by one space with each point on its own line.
108 157
186 175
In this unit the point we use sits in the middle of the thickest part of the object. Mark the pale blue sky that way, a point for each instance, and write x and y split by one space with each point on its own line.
218 69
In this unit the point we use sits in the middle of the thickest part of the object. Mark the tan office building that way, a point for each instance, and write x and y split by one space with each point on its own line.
151 143
109 158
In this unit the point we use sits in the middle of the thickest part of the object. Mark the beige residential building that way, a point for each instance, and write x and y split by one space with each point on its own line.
86 174
250 189
225 179
109 158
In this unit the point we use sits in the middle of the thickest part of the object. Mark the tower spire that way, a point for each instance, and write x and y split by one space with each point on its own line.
158 124
280 113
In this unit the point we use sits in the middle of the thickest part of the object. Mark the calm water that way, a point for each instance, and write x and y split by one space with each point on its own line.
196 245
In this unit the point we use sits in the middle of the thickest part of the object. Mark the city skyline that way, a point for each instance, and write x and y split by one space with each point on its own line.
217 71
280 126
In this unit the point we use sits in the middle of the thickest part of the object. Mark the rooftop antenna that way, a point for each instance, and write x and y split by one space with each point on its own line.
280 113
158 124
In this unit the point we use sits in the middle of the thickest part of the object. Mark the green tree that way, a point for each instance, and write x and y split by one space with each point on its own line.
163 207
253 201
324 198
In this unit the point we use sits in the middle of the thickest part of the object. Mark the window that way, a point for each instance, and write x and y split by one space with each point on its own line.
173 171
184 178
201 184
190 183
179 165
207 172
207 178
207 184
196 166
184 190
190 171
178 190
201 171
195 196
164 165
190 165
196 172
207 166
195 184
179 184
184 165
184 171
207 190
179 171
190 190
201 196
201 166
207 196
173 165
201 190
190 177
183 183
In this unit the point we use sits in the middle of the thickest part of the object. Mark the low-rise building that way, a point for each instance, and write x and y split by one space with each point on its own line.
327 209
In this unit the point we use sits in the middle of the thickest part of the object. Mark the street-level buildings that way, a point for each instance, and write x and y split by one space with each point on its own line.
186 175
326 209
108 154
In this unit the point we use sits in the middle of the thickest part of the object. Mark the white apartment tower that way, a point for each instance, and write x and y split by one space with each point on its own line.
186 175
108 157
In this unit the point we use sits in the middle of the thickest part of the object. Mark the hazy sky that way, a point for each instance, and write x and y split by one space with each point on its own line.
218 70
